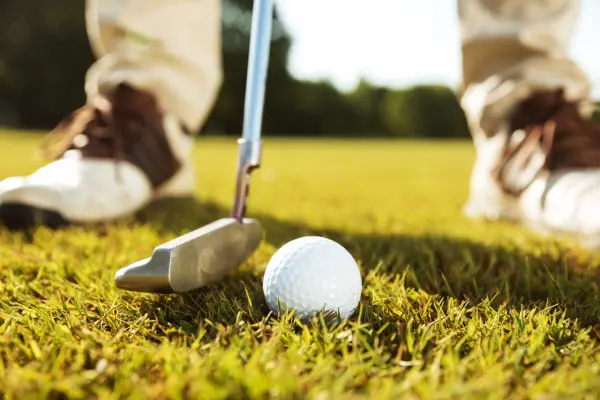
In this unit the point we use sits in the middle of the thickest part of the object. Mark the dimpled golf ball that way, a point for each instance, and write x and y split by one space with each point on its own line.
312 274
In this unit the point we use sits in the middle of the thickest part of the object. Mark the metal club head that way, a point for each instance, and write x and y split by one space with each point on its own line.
195 259
204 255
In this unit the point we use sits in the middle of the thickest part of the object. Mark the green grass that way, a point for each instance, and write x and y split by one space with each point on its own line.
451 308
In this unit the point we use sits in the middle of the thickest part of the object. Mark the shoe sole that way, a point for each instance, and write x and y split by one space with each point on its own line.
19 217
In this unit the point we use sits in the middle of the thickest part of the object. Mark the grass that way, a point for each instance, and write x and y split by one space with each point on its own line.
451 308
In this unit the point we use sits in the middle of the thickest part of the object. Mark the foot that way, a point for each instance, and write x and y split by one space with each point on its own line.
543 171
110 159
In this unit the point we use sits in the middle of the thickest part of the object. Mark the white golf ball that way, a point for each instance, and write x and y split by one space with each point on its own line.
312 274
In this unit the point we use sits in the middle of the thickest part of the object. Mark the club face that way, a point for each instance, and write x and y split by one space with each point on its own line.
195 259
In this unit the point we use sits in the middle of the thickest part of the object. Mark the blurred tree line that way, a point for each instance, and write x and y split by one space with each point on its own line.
44 54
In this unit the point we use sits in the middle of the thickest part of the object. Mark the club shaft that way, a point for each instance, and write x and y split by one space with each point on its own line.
250 143
258 60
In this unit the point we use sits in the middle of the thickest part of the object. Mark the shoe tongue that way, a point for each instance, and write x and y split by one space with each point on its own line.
128 99
537 109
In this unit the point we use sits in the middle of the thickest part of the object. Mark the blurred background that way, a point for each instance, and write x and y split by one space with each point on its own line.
372 68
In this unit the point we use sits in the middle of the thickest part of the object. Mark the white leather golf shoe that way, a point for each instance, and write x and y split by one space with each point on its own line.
541 169
110 160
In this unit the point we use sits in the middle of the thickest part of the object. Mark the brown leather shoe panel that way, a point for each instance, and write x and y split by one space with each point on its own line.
129 127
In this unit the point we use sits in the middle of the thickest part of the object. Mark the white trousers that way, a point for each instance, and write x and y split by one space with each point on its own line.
173 48
169 47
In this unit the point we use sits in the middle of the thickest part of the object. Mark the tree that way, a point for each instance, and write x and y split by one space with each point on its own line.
424 111
368 102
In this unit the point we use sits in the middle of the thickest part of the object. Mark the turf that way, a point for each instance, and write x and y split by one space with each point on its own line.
451 308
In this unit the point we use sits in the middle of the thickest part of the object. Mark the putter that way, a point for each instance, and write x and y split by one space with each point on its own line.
204 255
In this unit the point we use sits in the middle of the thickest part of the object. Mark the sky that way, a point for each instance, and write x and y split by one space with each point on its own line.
398 42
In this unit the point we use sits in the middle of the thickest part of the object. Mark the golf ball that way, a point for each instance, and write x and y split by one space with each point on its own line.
312 274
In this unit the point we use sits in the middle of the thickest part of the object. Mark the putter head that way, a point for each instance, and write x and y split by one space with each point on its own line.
195 259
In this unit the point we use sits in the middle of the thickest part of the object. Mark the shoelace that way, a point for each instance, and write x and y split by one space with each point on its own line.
548 133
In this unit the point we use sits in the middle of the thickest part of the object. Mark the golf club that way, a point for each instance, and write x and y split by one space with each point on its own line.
204 255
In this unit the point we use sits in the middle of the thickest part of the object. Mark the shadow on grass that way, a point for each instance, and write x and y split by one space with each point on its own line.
437 264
